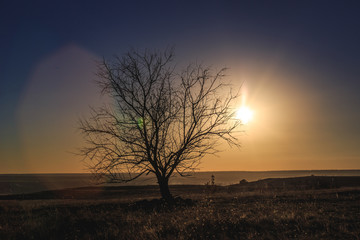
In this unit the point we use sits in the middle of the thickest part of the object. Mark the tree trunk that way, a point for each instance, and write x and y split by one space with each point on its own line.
164 188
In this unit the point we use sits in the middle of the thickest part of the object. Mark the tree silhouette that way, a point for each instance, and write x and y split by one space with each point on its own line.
160 121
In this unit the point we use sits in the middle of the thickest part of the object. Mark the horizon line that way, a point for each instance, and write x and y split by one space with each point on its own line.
207 171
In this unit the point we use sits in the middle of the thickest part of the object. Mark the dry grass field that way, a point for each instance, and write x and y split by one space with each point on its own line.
244 211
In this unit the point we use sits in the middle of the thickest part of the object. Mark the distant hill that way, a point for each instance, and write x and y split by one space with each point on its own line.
300 183
152 191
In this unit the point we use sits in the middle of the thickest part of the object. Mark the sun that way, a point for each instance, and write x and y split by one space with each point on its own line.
244 114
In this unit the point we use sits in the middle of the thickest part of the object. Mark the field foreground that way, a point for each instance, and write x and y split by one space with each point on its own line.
245 211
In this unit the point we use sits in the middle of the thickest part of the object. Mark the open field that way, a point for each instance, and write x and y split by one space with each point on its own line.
294 208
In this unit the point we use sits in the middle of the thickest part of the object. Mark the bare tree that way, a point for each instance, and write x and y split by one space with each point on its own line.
160 121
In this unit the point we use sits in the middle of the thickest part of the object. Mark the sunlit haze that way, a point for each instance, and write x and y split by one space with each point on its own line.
244 114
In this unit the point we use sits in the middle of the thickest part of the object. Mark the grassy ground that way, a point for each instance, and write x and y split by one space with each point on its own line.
213 213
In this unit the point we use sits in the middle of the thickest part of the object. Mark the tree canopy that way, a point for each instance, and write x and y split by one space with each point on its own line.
161 120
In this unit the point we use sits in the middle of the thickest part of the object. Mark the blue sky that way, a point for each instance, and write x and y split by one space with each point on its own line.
299 60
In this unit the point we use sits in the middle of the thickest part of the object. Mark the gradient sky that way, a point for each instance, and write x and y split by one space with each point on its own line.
299 62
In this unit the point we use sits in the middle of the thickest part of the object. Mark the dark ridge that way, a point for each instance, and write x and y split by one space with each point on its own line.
152 191
301 183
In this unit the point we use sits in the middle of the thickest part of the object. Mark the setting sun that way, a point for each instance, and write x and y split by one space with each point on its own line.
244 114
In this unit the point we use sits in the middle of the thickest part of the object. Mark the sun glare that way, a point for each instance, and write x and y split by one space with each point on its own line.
244 114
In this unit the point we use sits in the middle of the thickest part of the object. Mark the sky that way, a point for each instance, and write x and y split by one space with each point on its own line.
297 62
